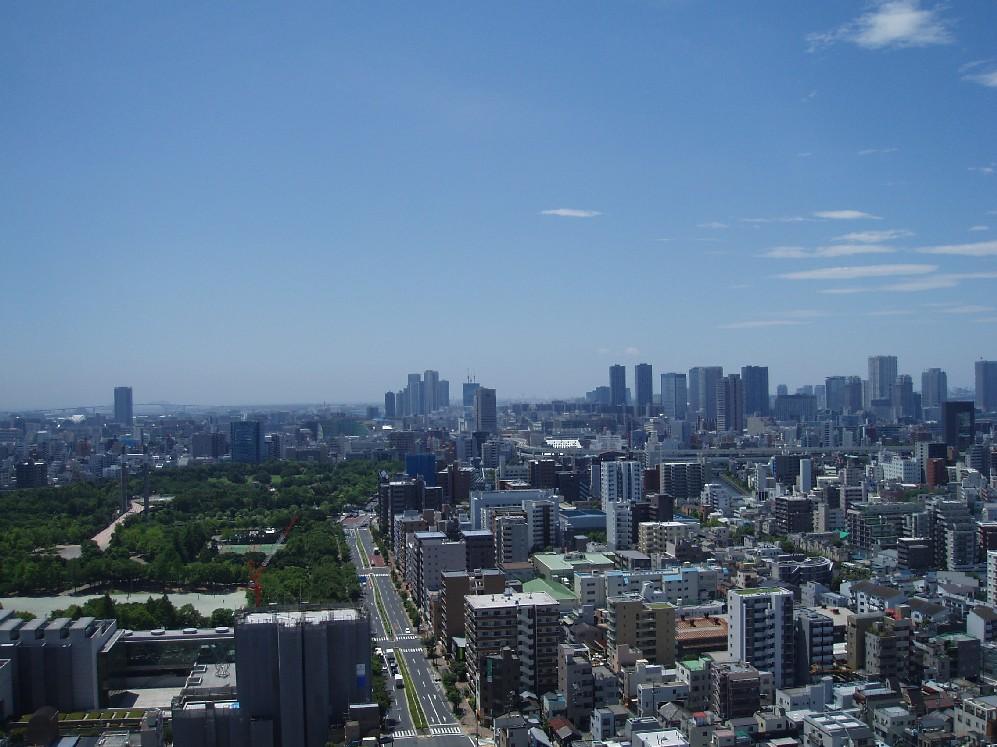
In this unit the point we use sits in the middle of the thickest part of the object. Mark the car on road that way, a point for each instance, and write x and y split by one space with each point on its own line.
408 631
399 682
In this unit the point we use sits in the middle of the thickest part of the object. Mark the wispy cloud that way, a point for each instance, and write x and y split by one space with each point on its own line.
979 228
936 282
780 219
804 154
967 309
810 96
835 250
860 271
985 320
877 151
873 237
890 24
985 170
983 72
976 249
631 351
571 213
755 323
890 312
845 215
713 224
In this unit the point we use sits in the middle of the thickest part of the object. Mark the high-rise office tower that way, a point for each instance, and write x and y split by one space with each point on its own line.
470 387
430 388
443 394
834 393
959 423
246 439
761 631
730 404
123 405
301 670
854 394
902 396
782 390
389 404
703 382
485 411
416 401
934 387
756 389
617 385
882 376
986 386
674 395
643 387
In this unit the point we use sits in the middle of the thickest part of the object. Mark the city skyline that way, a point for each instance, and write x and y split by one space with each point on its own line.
250 209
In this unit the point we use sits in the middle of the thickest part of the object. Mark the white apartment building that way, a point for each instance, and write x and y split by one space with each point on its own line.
761 631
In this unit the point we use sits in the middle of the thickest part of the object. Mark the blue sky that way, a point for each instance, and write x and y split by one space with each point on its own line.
239 203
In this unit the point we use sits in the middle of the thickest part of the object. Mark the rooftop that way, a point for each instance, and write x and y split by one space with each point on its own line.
495 601
560 592
299 617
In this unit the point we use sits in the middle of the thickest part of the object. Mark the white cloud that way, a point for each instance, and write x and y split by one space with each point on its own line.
860 271
783 219
983 72
977 249
631 351
804 154
873 237
979 228
810 96
946 280
967 309
713 224
755 323
835 250
985 320
571 213
985 170
890 24
845 215
877 151
891 312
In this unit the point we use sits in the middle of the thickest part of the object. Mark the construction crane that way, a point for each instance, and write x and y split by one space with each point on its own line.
256 571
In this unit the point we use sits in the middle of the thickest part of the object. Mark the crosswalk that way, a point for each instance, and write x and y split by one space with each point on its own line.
440 730
389 639
402 733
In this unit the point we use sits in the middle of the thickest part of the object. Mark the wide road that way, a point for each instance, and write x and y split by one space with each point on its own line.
399 635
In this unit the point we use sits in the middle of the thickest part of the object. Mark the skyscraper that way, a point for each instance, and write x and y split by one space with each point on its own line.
470 387
389 405
430 390
123 405
674 395
834 393
756 389
959 422
442 394
703 382
643 387
246 439
902 396
617 385
986 385
415 399
882 376
485 411
730 404
934 387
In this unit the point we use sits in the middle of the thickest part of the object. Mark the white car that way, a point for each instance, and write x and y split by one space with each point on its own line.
408 631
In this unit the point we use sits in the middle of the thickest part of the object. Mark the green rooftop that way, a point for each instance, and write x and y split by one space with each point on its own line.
694 665
556 561
560 592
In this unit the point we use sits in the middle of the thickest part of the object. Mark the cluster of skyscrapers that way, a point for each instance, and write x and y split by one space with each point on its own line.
723 402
